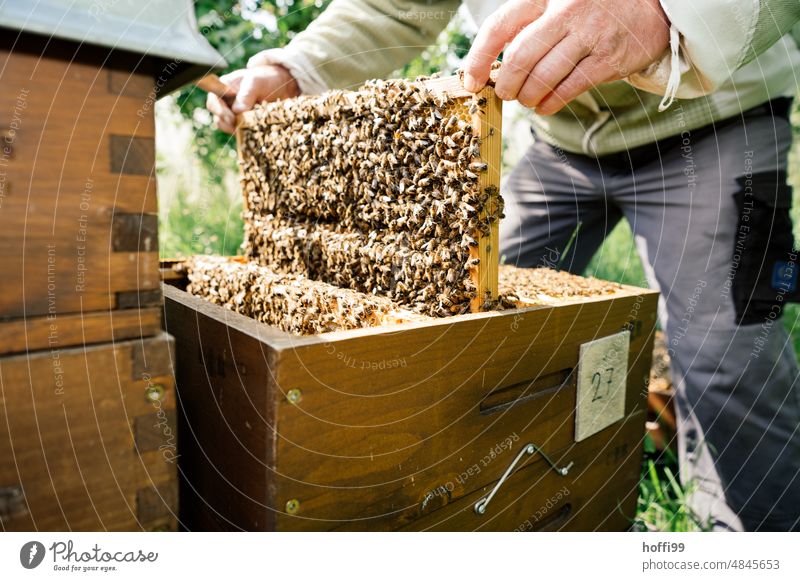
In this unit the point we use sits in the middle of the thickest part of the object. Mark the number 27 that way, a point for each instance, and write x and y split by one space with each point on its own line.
597 382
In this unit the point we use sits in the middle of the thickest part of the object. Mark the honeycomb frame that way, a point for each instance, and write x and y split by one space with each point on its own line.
301 240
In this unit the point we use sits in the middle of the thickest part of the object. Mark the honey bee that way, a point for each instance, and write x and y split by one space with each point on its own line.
364 191
451 123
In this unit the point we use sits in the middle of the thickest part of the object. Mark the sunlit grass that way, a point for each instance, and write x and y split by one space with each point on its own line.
662 504
190 226
617 260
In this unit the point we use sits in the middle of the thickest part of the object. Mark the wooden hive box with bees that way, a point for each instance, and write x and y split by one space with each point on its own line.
368 365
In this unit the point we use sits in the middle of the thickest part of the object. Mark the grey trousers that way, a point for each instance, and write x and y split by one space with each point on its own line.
734 370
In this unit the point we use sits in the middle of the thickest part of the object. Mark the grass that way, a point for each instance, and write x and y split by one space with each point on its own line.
617 260
662 502
189 227
199 206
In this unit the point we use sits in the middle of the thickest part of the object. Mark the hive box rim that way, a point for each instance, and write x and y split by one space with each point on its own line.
283 340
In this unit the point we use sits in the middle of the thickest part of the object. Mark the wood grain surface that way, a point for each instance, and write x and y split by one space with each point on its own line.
355 429
23 335
71 197
67 419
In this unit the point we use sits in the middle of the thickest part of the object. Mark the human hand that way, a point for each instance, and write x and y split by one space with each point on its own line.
557 49
248 87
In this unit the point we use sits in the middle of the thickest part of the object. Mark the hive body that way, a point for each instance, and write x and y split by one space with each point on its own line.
82 354
404 426
78 222
358 206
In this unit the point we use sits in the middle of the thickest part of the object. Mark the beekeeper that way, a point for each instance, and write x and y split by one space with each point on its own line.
671 114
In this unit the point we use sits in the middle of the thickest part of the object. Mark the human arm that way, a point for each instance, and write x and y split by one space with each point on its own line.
352 41
672 47
713 39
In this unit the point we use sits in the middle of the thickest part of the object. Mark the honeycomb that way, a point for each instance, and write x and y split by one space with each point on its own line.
290 302
299 305
376 191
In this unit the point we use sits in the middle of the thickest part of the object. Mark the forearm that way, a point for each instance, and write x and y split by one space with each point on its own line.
355 40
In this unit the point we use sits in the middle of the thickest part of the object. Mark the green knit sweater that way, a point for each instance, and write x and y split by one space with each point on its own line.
730 61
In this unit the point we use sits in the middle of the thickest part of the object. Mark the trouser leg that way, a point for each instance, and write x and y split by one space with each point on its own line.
736 380
546 196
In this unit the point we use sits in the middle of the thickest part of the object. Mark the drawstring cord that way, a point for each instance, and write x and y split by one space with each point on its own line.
674 70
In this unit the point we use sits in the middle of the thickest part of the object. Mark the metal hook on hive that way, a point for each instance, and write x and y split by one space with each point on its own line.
527 450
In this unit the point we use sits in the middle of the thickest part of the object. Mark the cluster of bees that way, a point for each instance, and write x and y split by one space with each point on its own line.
290 302
375 190
299 305
363 208
521 287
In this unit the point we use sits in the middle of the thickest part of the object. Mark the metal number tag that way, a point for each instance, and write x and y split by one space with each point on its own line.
602 374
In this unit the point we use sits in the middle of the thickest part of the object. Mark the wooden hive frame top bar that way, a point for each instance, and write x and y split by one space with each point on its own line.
482 112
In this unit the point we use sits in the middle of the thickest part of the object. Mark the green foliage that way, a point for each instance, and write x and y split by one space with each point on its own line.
662 501
191 226
238 30
444 56
616 259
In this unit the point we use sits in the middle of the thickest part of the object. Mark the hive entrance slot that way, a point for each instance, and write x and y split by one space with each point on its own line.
519 393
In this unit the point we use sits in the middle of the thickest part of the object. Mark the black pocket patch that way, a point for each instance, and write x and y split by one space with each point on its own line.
765 269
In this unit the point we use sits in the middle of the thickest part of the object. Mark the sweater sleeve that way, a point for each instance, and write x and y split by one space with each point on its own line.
710 40
775 19
356 40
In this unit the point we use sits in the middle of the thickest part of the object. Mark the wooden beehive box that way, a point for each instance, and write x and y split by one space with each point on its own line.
87 391
89 438
409 426
516 419
78 222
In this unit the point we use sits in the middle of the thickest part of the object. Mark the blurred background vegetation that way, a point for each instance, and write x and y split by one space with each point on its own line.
200 202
